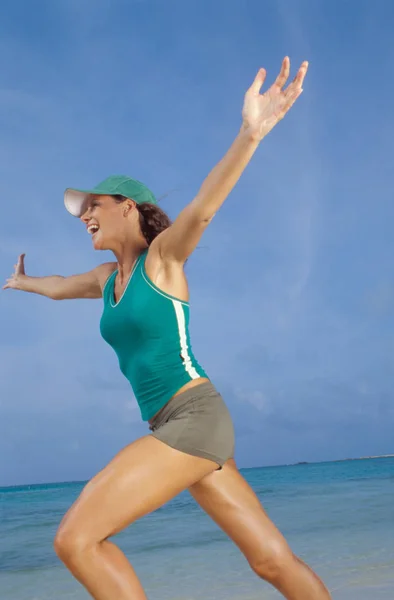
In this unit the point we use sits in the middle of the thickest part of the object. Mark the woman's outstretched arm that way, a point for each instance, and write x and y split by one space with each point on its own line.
85 285
261 112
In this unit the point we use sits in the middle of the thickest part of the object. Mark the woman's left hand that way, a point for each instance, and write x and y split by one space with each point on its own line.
261 112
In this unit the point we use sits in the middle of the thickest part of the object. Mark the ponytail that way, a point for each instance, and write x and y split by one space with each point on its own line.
153 220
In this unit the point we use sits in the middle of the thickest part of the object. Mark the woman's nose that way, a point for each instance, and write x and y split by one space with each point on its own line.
85 216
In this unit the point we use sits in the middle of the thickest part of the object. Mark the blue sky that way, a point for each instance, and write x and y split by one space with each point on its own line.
292 289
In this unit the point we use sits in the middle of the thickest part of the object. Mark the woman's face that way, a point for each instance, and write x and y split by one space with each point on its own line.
104 220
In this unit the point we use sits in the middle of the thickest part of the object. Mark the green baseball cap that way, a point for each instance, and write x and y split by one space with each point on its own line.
115 184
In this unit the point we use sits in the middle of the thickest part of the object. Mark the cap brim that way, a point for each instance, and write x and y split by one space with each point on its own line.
74 200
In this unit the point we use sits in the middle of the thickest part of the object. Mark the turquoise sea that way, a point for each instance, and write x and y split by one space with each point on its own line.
338 516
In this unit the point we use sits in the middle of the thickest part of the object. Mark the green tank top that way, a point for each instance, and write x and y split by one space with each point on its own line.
149 331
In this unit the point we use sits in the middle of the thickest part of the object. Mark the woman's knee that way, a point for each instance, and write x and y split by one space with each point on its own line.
273 561
69 544
70 539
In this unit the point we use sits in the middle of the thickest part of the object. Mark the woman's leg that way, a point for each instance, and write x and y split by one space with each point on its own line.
232 504
141 478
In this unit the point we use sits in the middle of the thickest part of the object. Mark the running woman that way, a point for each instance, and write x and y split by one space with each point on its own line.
145 319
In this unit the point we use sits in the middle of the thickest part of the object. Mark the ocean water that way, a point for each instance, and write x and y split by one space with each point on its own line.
338 517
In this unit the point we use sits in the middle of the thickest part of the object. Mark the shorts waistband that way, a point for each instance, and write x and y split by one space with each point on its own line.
179 401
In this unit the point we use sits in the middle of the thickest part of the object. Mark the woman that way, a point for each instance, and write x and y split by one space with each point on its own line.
145 320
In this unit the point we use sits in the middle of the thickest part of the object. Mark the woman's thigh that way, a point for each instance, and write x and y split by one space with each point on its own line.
141 478
230 501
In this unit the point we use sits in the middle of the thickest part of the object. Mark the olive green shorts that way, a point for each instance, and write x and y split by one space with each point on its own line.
197 422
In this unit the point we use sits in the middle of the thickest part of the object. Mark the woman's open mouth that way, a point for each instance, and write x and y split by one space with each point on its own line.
92 229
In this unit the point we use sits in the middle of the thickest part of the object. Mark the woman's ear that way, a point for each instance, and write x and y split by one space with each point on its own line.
128 205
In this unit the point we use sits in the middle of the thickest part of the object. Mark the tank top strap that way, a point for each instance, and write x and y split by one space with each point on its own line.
108 288
140 267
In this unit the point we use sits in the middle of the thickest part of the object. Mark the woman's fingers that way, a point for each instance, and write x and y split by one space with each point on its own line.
298 80
282 78
302 71
19 269
258 82
8 284
21 263
284 73
291 98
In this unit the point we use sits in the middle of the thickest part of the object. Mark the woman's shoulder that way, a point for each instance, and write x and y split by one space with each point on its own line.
104 271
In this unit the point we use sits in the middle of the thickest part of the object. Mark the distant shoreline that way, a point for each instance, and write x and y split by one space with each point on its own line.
365 457
304 462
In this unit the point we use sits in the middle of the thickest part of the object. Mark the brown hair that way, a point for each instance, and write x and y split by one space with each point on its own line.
153 220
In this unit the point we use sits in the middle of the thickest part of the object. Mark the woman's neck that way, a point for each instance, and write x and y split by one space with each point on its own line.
126 259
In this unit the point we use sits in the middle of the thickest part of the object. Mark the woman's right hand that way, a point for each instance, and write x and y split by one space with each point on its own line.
18 277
